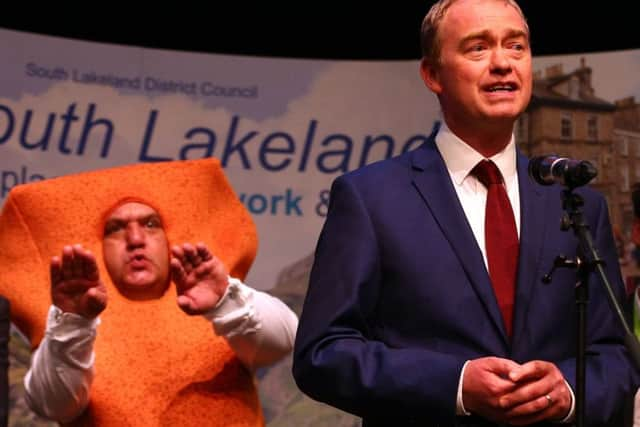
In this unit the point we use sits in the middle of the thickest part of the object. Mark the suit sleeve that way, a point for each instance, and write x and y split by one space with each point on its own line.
337 358
610 375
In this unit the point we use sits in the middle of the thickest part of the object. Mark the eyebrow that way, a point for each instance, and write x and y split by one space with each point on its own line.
486 34
121 221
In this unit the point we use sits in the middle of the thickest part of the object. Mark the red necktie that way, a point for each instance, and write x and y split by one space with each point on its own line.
501 238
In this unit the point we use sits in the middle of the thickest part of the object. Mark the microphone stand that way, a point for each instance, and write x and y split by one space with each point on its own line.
586 262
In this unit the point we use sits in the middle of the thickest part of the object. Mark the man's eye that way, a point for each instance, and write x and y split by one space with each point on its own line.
153 223
477 48
111 228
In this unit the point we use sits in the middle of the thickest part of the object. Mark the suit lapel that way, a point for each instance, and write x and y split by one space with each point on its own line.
432 180
533 215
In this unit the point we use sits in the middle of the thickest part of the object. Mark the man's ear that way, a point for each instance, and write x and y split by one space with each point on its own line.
429 74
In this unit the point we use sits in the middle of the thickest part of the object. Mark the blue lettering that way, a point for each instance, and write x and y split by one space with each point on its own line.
207 146
261 202
149 83
43 142
369 141
266 148
32 69
414 142
58 73
275 201
89 123
230 148
9 128
10 179
6 187
343 164
288 204
146 140
67 118
292 203
311 132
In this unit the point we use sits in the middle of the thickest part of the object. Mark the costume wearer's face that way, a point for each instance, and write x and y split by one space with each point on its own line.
485 63
136 251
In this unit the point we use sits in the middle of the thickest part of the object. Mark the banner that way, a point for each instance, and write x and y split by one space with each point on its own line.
282 128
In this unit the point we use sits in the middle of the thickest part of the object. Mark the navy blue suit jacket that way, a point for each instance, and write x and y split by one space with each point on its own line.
399 297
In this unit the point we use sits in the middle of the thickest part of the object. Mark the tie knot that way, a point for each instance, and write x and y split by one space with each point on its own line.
487 173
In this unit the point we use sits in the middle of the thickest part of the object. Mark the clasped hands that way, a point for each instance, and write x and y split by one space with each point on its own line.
506 392
76 287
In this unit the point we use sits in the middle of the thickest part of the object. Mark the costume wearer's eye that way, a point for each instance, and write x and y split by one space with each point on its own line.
111 227
153 222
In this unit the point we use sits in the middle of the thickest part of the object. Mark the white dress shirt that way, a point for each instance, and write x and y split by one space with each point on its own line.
259 328
460 159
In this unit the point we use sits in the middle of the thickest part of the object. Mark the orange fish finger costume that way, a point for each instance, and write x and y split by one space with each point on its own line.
155 365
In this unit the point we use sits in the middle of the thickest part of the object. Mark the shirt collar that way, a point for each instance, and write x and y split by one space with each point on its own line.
460 158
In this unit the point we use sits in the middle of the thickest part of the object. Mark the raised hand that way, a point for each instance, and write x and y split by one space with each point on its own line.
201 278
75 282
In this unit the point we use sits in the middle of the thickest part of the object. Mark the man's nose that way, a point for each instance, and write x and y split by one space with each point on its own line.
500 62
135 235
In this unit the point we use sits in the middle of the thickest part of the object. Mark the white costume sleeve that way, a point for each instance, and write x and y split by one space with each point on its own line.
58 382
260 328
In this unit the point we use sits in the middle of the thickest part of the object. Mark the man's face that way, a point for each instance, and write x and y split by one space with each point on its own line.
484 74
136 251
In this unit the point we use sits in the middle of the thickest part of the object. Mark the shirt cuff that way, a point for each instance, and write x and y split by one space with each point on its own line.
235 313
572 410
62 326
69 338
460 409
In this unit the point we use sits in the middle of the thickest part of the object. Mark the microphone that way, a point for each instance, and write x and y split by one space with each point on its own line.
548 170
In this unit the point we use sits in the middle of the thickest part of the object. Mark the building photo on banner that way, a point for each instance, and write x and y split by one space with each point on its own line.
282 135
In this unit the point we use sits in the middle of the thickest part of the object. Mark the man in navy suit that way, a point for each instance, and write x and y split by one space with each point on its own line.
403 322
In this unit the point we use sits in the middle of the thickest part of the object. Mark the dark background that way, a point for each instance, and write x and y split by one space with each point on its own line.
322 30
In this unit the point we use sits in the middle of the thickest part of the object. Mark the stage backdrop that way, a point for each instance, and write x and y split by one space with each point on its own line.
282 128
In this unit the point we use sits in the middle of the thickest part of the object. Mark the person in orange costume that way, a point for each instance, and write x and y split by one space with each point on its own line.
142 362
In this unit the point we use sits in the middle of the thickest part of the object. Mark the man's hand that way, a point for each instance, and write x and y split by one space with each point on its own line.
486 381
503 391
201 279
541 394
75 282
